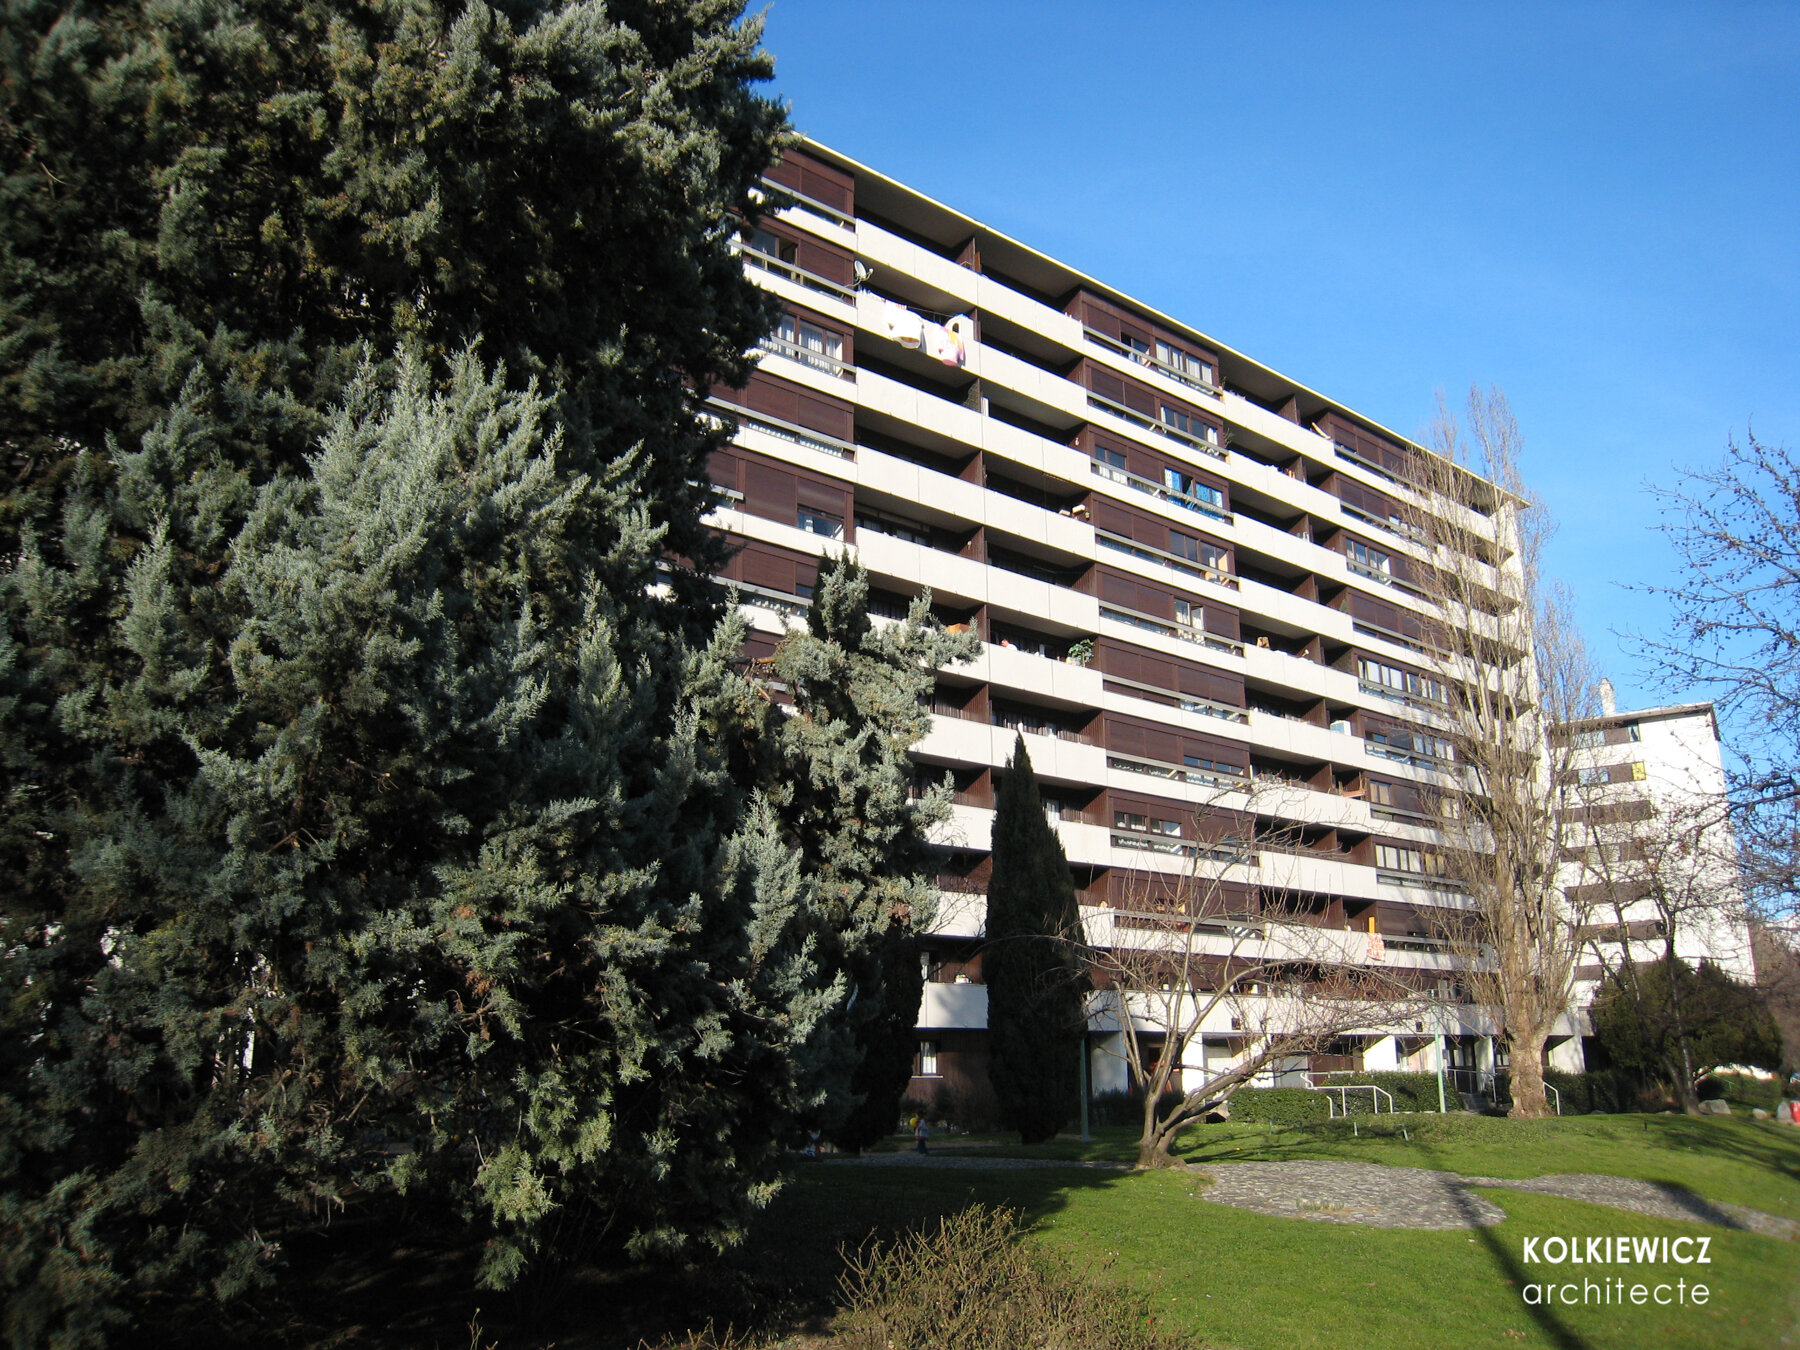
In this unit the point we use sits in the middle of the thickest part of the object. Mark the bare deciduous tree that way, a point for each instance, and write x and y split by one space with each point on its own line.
1736 633
1506 650
1649 873
1223 943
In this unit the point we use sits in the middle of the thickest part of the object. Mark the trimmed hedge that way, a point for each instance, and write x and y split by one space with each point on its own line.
1281 1106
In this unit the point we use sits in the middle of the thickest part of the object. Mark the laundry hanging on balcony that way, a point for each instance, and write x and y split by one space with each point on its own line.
948 343
900 324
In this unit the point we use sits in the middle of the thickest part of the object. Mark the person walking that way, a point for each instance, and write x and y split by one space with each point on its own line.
921 1132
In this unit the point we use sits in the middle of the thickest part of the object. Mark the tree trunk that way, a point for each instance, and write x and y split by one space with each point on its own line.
1684 1082
1153 1149
1530 1102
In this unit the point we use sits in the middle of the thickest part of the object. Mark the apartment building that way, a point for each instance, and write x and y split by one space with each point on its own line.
1192 577
1650 848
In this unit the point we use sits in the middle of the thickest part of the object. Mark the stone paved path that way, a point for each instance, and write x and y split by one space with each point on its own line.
1350 1192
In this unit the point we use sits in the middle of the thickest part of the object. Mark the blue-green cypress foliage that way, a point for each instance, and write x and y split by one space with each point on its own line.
374 819
845 784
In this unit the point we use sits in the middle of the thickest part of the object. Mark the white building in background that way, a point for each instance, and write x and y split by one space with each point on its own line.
1189 572
1652 848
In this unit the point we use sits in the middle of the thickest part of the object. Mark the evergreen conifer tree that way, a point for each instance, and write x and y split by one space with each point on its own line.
371 822
845 787
1036 988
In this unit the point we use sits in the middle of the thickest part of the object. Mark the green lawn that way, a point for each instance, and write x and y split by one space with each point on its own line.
1233 1278
1741 1161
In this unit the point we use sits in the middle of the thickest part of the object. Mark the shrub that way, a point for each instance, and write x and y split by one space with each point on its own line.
973 1284
1279 1106
1123 1108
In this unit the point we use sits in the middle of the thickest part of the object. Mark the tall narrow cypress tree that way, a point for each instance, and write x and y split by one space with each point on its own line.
1036 988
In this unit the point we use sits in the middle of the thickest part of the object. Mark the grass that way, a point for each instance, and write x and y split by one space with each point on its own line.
1741 1161
1233 1278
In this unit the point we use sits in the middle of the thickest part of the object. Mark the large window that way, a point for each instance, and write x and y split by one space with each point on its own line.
1185 364
1110 464
1394 682
811 345
928 1059
1371 562
1200 551
815 521
1186 485
769 244
1143 824
1189 425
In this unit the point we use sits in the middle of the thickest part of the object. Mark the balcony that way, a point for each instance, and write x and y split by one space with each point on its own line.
1149 362
1118 543
1113 474
811 357
1153 426
1168 628
812 281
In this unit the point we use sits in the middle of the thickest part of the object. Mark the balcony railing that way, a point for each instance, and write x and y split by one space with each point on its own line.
1411 533
1357 458
1179 773
775 426
1151 424
812 281
1120 544
811 204
1392 695
808 356
1169 628
1205 707
1113 474
1399 639
1136 357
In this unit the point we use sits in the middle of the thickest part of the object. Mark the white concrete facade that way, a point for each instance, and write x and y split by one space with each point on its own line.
1652 847
1183 565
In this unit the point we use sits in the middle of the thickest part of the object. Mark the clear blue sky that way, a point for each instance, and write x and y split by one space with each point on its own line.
1594 206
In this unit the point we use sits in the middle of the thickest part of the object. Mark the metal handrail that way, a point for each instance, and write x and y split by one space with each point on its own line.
1136 357
1161 491
1154 426
1376 1094
808 356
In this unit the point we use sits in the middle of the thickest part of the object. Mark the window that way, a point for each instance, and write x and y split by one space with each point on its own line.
1588 740
928 1064
1132 820
1190 615
1371 562
810 344
815 521
770 244
1110 464
1184 546
898 529
1189 425
1135 345
1185 364
1394 682
1399 859
1194 491
1212 765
